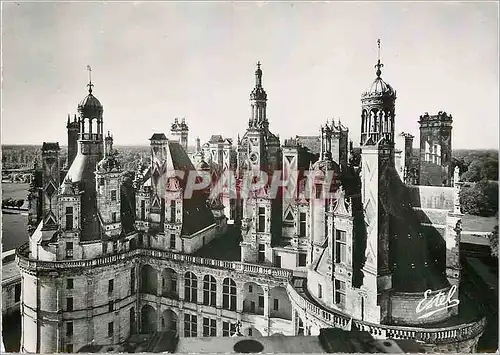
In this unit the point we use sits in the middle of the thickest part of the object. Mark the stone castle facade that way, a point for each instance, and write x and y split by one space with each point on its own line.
355 244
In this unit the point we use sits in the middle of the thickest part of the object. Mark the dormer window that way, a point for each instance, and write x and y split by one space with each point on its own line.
113 195
69 250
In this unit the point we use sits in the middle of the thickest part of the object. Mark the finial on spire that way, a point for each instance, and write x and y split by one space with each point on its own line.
378 65
90 85
258 75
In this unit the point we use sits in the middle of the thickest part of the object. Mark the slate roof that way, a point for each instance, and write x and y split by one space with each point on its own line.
82 172
416 252
158 137
216 139
50 146
196 214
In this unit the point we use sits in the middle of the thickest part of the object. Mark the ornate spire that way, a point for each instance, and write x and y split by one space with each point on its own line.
90 85
378 65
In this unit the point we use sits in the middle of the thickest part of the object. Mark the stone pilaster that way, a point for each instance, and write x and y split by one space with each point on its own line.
219 295
266 308
180 285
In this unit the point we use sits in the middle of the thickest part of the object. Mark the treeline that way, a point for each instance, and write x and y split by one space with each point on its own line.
12 203
479 168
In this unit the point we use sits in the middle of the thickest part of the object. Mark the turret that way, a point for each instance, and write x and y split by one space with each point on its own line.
258 102
378 111
73 128
108 182
179 131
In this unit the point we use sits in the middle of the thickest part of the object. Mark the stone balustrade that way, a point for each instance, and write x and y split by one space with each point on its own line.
427 335
32 265
325 317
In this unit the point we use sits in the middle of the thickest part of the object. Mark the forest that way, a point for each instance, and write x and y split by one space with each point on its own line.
479 172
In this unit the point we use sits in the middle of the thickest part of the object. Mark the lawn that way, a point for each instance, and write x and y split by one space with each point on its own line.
472 223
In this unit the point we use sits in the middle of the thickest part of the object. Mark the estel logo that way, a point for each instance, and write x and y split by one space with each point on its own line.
439 302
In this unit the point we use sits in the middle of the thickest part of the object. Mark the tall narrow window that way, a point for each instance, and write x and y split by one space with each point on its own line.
190 287
172 241
69 329
17 292
190 325
111 329
302 259
69 284
340 292
143 210
113 217
209 290
276 304
262 219
318 191
299 325
277 260
69 218
261 301
172 211
320 291
340 246
302 224
113 195
69 304
262 253
69 250
111 285
229 294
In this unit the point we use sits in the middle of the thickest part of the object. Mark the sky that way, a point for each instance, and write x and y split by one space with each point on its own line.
152 62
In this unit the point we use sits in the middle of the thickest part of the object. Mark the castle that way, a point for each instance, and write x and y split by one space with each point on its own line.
332 236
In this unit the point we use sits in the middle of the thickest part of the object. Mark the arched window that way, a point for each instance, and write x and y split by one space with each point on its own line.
209 290
190 287
229 294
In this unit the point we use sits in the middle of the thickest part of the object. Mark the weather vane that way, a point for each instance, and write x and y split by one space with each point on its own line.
378 65
90 79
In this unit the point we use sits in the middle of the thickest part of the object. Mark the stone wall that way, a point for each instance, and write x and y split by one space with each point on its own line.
10 302
436 197
403 309
199 239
